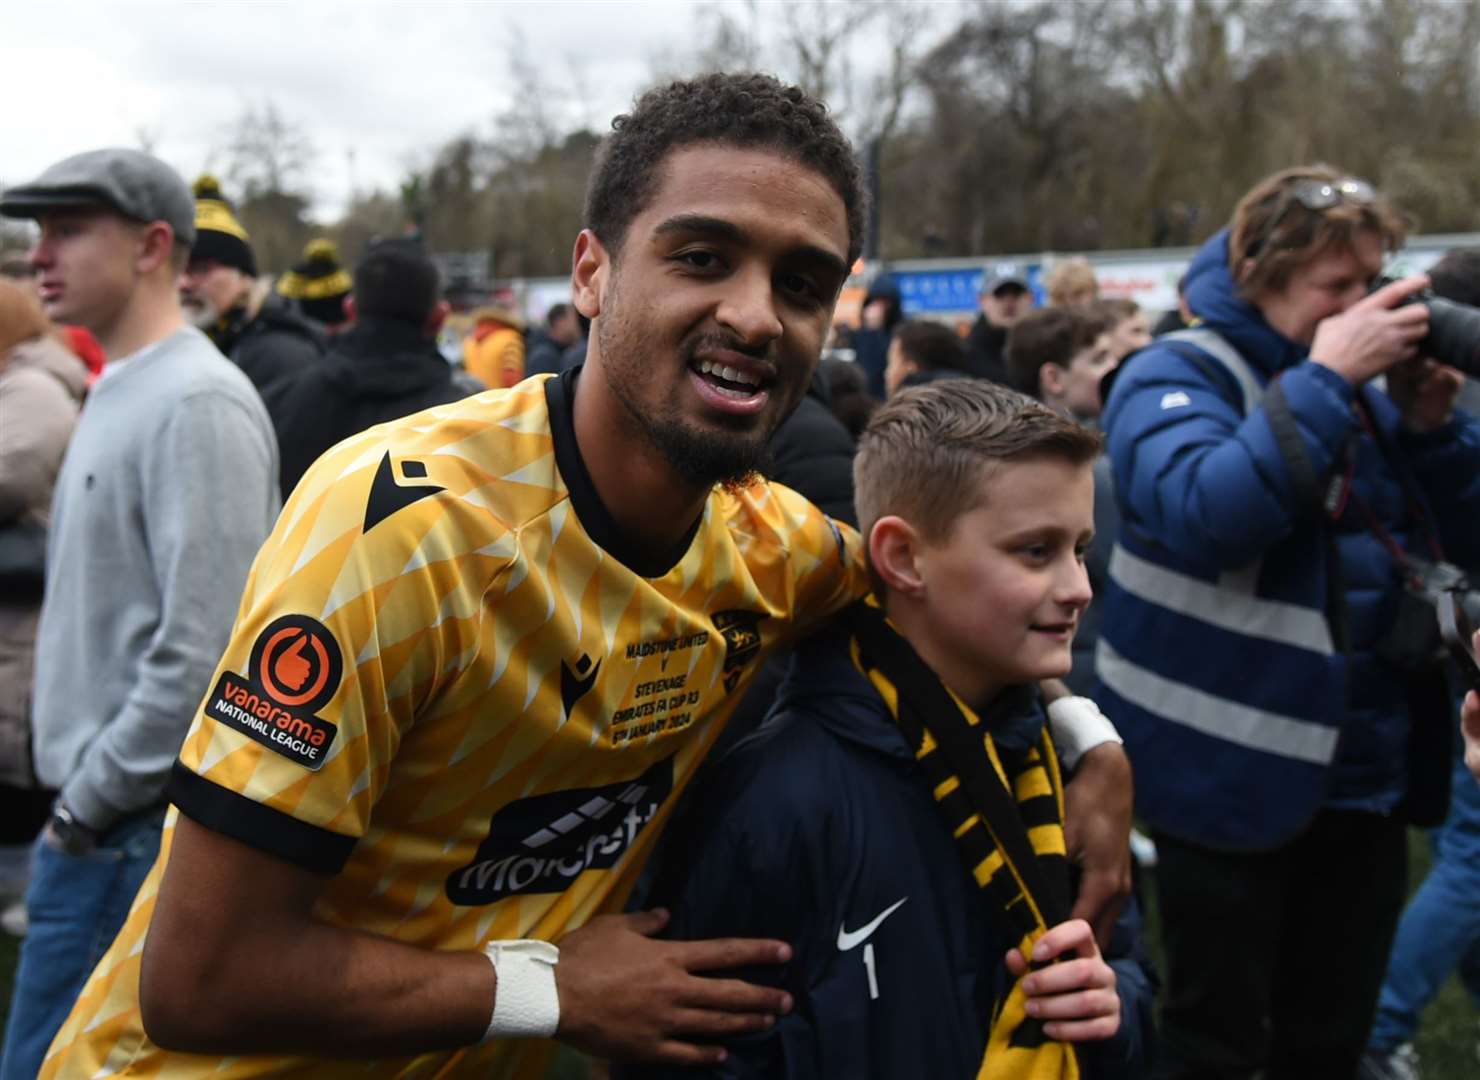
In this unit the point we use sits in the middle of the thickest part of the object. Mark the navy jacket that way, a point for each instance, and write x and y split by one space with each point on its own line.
812 453
821 830
377 370
1218 661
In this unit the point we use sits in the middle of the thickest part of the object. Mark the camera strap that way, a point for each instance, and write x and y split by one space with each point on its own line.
1415 504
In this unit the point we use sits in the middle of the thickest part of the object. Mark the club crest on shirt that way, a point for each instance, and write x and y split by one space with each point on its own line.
295 669
741 631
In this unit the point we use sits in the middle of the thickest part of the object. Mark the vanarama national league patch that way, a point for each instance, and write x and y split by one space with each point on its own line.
295 669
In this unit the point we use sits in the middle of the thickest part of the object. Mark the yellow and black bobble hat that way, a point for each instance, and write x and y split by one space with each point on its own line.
318 284
218 235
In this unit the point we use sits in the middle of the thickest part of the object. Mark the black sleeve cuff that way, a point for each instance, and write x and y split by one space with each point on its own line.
321 851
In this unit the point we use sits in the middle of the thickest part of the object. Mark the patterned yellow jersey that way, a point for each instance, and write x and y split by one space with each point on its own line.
453 686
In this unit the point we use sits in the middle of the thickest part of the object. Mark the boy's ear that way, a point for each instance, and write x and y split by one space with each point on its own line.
1052 379
893 550
590 265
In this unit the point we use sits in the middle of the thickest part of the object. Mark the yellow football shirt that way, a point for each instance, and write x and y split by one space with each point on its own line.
451 686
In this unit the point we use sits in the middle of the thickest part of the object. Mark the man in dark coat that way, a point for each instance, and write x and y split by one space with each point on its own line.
548 344
222 296
1004 300
883 310
812 452
386 365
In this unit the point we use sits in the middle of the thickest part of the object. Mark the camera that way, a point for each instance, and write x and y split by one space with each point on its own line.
1454 329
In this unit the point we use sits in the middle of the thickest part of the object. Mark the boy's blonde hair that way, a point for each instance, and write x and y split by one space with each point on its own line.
925 451
1068 279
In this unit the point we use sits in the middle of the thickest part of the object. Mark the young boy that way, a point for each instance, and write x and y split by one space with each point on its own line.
898 819
922 352
1059 356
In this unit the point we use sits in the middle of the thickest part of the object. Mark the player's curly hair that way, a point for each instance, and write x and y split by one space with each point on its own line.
745 110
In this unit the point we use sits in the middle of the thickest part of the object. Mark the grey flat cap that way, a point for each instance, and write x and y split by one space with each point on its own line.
136 184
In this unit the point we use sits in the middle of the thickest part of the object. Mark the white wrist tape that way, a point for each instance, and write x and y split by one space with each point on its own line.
526 1003
1079 726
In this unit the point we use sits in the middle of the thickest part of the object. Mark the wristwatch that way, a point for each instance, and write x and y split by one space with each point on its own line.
72 836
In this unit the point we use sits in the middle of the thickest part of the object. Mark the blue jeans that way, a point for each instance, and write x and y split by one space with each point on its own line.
1440 931
76 905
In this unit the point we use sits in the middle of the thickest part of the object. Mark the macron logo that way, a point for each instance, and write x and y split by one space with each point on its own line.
1174 400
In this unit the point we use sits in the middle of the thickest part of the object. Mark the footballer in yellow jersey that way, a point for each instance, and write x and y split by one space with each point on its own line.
529 698
485 649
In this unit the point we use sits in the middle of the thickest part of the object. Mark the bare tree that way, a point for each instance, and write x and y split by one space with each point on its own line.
266 152
1035 124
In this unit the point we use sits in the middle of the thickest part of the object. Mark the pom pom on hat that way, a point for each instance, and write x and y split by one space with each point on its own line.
321 249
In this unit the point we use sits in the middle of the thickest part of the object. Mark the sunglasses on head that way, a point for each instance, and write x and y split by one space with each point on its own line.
1317 196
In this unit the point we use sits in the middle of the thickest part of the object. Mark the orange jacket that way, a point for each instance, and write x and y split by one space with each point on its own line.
494 354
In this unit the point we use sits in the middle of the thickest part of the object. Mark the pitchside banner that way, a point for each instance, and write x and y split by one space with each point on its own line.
1151 282
947 289
945 292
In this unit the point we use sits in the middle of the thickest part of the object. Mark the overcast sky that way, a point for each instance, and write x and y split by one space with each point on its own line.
376 85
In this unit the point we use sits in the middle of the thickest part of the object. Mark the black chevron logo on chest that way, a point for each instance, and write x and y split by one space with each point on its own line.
387 496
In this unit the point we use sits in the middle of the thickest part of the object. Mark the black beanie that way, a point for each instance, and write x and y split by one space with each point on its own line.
218 235
318 284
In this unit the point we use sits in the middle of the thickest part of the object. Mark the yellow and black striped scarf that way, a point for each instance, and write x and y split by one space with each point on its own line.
1006 812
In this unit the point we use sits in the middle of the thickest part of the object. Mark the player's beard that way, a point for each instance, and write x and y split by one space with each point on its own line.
701 456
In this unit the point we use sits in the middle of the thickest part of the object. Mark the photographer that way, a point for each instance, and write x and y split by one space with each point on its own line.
1264 650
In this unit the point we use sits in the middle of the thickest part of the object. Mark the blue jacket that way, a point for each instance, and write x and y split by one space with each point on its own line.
1217 659
821 830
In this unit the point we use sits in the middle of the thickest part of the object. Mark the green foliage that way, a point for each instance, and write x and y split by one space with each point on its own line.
1117 124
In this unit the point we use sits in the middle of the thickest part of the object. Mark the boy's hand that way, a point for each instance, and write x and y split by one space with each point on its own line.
1075 998
1097 833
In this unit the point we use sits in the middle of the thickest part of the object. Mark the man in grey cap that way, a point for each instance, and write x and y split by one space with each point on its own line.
1004 298
168 488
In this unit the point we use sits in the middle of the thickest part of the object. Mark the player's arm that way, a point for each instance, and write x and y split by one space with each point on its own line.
1470 723
1098 800
236 963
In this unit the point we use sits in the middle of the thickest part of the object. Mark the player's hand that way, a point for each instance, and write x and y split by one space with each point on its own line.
1425 392
1374 333
1075 997
626 996
1469 722
1097 833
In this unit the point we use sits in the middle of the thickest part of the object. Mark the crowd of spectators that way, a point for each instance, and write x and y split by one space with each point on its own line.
1262 492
